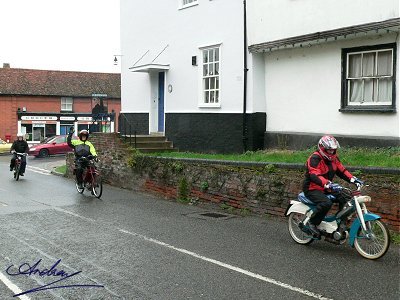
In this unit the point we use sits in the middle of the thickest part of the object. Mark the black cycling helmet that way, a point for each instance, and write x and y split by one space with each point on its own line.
82 133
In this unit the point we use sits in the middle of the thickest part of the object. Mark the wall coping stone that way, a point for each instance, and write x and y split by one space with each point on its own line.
368 170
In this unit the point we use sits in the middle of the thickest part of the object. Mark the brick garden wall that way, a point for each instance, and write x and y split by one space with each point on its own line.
259 188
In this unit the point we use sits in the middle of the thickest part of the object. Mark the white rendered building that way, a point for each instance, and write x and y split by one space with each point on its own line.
234 75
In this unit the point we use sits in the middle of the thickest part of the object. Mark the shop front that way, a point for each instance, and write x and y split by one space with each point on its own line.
39 126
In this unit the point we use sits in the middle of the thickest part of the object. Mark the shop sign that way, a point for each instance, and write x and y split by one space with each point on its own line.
67 118
39 118
84 118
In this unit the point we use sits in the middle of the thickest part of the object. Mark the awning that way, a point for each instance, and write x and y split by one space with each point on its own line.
149 68
391 25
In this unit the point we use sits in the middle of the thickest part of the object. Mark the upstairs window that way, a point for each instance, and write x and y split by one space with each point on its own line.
66 103
369 78
211 76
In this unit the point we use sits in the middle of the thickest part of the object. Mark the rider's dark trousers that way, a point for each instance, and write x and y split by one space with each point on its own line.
23 162
323 205
80 168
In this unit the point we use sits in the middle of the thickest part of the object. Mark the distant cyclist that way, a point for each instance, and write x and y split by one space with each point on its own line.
82 148
20 146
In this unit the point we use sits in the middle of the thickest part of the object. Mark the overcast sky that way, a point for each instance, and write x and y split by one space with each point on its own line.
71 35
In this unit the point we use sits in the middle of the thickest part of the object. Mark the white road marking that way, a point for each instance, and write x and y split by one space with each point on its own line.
38 170
230 267
15 289
216 262
73 214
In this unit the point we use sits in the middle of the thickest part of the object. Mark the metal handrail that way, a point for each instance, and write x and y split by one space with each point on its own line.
123 125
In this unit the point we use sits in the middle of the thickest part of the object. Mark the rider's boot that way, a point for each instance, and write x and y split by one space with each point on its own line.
314 230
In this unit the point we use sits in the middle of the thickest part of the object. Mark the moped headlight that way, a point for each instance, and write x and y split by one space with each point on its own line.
363 199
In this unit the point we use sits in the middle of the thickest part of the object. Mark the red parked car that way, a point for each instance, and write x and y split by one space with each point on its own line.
53 145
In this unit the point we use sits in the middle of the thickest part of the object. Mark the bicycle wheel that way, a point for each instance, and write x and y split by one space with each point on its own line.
16 172
295 232
79 189
97 186
373 243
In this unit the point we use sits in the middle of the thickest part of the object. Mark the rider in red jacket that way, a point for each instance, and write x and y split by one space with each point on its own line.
322 166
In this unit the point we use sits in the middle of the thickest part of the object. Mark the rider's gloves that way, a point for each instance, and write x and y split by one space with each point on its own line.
13 151
334 187
356 181
95 159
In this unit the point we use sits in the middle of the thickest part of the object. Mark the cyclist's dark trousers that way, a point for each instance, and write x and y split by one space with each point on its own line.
323 205
23 163
80 168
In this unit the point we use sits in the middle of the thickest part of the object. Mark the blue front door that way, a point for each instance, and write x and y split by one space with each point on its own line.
161 79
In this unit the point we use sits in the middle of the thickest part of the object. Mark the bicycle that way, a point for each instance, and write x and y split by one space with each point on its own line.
17 165
92 180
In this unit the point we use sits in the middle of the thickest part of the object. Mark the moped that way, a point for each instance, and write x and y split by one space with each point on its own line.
17 166
364 230
92 180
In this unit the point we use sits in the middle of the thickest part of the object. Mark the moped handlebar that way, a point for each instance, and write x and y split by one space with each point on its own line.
21 154
86 158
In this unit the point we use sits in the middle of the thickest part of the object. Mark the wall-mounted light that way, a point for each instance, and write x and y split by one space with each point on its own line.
116 59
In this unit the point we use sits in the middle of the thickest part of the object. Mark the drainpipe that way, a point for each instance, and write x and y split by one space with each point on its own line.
244 117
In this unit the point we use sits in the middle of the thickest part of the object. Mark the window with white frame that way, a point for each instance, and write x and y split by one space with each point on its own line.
369 77
211 67
66 103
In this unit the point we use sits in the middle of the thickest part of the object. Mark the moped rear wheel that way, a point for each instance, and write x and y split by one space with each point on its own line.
373 243
97 186
295 231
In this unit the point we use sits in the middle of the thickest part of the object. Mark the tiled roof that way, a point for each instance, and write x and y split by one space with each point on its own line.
58 83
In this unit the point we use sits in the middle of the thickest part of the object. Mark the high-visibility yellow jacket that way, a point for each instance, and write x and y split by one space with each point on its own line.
81 148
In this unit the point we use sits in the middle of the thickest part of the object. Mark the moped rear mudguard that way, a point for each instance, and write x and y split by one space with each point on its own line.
297 206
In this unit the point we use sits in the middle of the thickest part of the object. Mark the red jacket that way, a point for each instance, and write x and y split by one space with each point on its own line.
320 171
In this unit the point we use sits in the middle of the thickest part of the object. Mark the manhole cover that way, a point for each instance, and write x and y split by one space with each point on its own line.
210 215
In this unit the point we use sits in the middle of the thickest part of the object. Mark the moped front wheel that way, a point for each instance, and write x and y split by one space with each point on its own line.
78 188
298 235
374 242
16 172
97 186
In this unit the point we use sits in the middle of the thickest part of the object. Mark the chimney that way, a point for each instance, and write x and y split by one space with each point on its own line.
6 66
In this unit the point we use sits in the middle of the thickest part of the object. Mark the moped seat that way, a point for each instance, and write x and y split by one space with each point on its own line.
302 198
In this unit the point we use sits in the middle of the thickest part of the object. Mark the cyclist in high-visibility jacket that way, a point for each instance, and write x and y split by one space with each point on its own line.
82 147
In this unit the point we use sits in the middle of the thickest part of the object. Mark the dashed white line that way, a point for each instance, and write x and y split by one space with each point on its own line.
230 267
15 289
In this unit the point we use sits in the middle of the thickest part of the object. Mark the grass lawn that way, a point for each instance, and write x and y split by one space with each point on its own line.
361 157
61 169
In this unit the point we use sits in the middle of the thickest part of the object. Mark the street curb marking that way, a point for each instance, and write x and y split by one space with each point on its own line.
230 267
